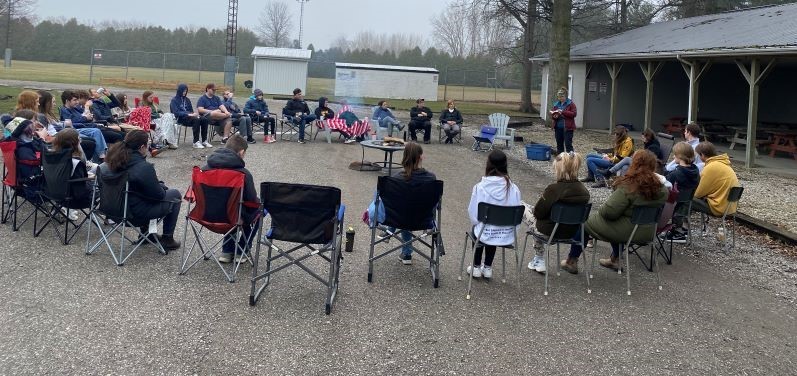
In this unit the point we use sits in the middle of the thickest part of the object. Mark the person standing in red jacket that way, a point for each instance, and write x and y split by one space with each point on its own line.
563 115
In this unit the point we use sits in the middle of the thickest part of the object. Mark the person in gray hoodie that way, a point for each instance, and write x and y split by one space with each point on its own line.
231 157
494 188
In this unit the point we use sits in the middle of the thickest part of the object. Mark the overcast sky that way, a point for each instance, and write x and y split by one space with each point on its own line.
324 19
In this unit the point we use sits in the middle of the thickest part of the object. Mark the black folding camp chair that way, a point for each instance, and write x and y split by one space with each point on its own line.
218 205
562 215
413 207
58 193
110 216
494 215
310 217
293 123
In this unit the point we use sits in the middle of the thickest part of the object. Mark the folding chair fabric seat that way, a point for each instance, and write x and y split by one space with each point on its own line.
58 192
310 217
16 187
408 206
486 136
218 205
495 215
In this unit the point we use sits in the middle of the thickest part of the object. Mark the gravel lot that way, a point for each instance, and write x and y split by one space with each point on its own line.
65 312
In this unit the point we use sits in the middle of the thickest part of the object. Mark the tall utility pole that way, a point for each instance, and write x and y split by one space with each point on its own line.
7 63
301 21
231 61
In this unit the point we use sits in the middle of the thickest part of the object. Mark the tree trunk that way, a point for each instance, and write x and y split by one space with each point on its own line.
528 51
560 47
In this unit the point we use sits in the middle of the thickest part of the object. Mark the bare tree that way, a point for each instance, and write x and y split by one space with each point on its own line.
463 29
15 9
379 43
275 25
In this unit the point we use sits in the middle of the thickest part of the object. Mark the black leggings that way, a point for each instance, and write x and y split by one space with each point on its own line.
111 136
268 123
489 255
199 126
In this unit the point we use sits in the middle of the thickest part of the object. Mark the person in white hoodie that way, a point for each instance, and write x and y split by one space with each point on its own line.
494 188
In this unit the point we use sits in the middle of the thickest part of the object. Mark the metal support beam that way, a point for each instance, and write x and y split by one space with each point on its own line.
649 70
754 76
614 72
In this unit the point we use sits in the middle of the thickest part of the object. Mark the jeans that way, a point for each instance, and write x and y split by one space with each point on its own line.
620 168
99 141
303 120
595 162
576 250
426 125
564 140
244 124
406 236
199 126
389 122
244 243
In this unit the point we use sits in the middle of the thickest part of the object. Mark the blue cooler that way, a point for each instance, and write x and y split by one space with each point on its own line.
538 152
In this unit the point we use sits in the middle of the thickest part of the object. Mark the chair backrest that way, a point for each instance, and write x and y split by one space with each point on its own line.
497 215
300 213
488 132
646 215
409 205
570 214
666 142
734 194
217 196
113 191
500 121
9 149
57 170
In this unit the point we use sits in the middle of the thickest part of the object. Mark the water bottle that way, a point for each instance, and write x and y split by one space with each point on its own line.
721 234
349 239
153 226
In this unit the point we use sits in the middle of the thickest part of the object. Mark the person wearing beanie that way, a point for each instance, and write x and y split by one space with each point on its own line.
257 109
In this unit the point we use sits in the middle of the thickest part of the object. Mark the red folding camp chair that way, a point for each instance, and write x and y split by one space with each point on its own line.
13 188
216 202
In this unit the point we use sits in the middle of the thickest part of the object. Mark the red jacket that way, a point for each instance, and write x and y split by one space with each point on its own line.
568 111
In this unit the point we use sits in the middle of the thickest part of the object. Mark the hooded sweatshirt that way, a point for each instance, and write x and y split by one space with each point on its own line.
180 105
227 159
493 190
687 177
323 112
716 181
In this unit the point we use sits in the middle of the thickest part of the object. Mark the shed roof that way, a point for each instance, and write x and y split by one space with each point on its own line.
281 53
769 30
394 68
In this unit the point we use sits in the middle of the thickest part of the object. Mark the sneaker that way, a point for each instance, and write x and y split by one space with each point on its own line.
590 243
241 259
599 183
207 144
405 259
198 145
225 258
350 141
477 271
301 141
675 237
534 262
570 268
171 146
383 235
168 242
69 213
251 141
487 271
609 263
154 152
272 139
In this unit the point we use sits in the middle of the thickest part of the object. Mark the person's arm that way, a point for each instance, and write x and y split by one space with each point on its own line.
626 148
429 113
149 184
458 117
174 107
615 205
473 207
570 111
114 101
414 113
542 209
705 186
306 109
249 108
201 103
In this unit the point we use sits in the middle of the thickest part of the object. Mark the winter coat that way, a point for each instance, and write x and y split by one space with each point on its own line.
687 177
568 113
493 190
253 105
76 116
228 160
415 111
654 146
447 115
625 149
566 192
144 202
102 110
293 106
699 163
180 105
716 181
612 222
323 112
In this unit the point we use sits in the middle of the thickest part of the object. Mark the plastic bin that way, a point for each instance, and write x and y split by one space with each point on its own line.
538 152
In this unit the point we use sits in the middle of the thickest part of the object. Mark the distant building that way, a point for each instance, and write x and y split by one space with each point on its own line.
280 70
385 81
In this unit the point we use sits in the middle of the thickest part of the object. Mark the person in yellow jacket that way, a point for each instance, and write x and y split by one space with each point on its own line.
716 180
623 147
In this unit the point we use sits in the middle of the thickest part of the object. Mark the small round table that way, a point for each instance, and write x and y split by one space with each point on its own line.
389 150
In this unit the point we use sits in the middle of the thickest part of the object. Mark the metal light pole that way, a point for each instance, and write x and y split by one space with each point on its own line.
301 20
7 61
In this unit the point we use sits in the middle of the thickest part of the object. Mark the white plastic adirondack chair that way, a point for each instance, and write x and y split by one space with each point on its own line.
501 121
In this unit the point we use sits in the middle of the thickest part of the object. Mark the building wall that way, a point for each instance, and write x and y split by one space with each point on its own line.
280 76
576 87
775 98
365 83
723 94
670 94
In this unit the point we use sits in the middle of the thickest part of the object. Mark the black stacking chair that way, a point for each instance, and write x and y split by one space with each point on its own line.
734 194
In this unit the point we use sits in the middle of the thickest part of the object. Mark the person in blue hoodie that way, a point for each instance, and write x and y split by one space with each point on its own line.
257 109
385 118
102 101
185 114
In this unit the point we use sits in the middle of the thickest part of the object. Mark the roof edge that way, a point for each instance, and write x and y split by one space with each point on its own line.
674 54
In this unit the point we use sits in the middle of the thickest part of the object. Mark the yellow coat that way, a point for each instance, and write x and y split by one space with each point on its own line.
625 149
716 181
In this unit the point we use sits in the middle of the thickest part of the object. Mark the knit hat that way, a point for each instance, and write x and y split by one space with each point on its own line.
258 92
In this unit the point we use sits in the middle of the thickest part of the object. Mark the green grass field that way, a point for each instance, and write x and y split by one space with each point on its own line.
477 100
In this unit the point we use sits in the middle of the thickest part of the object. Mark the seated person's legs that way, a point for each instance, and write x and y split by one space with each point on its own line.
89 148
111 136
701 205
427 134
620 166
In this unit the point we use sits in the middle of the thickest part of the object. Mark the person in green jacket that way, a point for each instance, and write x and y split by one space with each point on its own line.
612 222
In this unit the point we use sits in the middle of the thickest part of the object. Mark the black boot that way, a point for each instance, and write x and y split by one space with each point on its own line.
168 242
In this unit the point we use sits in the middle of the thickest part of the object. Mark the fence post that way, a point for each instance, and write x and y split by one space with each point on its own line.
200 69
163 71
495 85
91 67
127 65
445 88
464 77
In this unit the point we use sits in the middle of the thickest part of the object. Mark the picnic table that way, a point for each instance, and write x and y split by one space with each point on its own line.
674 125
716 129
783 140
740 137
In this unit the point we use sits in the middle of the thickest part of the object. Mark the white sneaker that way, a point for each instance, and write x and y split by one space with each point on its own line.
171 146
534 262
477 272
350 141
225 258
487 271
540 266
198 145
69 213
207 144
241 259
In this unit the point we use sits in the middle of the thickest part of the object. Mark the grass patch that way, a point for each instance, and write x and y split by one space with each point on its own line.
8 98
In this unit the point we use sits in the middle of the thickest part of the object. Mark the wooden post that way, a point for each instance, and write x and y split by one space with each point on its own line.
694 71
649 70
614 72
754 76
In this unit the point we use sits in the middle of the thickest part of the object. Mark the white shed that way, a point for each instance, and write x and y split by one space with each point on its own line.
280 70
385 81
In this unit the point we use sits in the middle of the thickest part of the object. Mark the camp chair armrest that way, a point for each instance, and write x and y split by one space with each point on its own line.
252 204
341 212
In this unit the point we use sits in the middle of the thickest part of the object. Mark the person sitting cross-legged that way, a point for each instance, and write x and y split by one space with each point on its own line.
623 147
211 106
651 143
297 109
231 157
257 109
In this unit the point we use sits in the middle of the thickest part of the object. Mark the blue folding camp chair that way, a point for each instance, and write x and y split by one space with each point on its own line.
485 136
